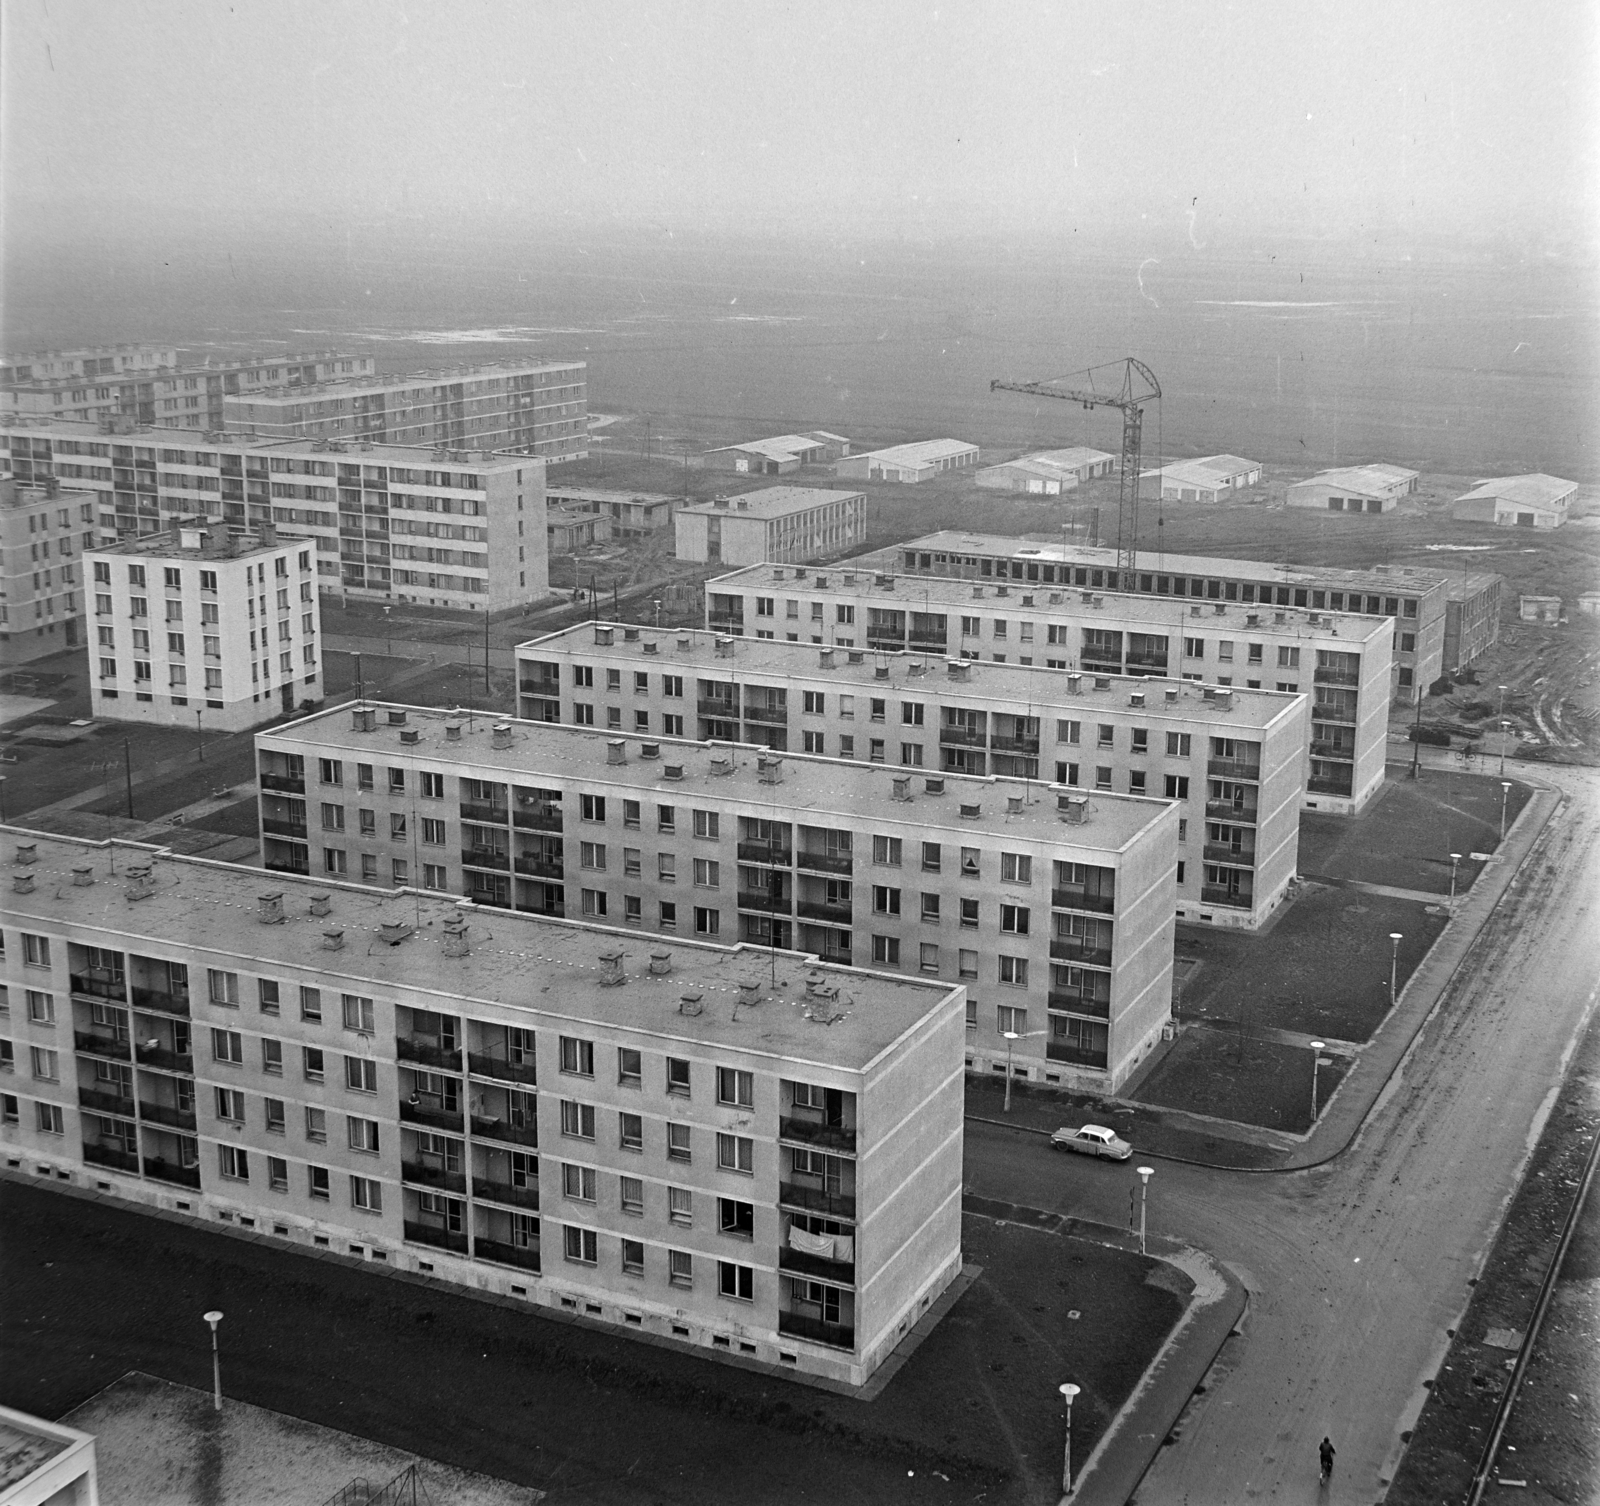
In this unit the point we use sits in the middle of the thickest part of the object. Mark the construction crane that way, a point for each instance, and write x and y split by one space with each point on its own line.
1127 384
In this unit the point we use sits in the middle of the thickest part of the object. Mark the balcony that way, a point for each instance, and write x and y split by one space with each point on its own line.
549 689
493 815
1226 852
1220 894
97 986
421 1048
765 852
962 737
300 862
1336 677
507 1193
164 1060
504 1131
1000 744
94 1044
1226 810
801 1264
725 622
727 711
1074 949
417 1113
817 909
1097 1009
777 716
1077 1056
1323 712
820 1136
525 1258
486 857
289 784
1341 750
1076 899
423 1175
537 818
1232 768
930 639
835 1335
499 1068
1097 664
549 868
825 862
1146 664
159 1113
760 899
432 1234
106 1103
118 1160
880 639
166 1171
1323 785
277 827
815 1200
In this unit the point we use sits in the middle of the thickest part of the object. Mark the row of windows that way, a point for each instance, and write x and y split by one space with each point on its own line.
582 1247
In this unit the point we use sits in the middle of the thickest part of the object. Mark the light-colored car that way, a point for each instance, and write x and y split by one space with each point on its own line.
1093 1140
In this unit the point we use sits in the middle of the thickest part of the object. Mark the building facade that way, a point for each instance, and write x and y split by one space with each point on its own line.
450 528
44 532
204 627
789 523
1531 501
1050 906
1343 661
532 407
745 1153
1235 760
632 515
909 463
1208 479
1357 488
1472 619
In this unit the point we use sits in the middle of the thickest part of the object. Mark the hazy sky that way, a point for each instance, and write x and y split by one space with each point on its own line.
878 112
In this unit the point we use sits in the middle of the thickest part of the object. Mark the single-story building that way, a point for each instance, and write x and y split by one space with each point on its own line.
1531 501
909 462
779 455
1354 488
1589 603
1208 479
567 532
1047 473
632 514
1539 608
780 524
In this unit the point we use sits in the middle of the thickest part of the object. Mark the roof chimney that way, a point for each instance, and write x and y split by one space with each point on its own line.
333 941
616 751
611 972
1013 805
455 937
500 735
452 732
269 908
82 876
320 904
363 719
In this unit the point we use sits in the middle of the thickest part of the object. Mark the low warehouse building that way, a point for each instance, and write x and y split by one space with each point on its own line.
1539 608
1356 488
1532 501
1047 473
1208 479
779 455
909 462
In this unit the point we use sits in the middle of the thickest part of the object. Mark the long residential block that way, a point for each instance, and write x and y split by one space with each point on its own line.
1343 661
44 531
1054 908
1234 760
745 1151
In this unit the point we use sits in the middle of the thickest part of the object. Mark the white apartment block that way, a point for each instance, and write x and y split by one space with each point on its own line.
533 407
448 528
751 1154
786 523
202 626
44 532
1343 661
87 360
1234 760
1054 908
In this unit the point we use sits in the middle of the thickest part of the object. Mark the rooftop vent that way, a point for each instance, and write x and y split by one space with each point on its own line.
886 581
1313 619
611 972
856 655
769 770
777 572
333 941
1194 609
916 671
1002 590
1252 619
685 643
672 771
141 881
977 593
1073 809
1102 682
410 736
971 812
500 735
1055 598
27 852
1171 694
650 647
1224 697
721 763
1136 698
22 883
649 750
616 751
1280 616
1014 805
1099 601
1208 693
902 786
1074 681
1027 599
660 964
957 669
452 732
690 1004
82 877
455 937
603 637
397 718
723 648
630 635
825 658
880 672
320 904
822 582
933 785
363 719
396 931
269 908
1217 608
1088 595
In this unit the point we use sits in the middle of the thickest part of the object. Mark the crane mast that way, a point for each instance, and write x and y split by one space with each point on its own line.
1127 385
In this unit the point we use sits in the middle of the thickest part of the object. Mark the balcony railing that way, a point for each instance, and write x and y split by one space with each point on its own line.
169 1061
411 1048
1076 899
432 1234
1232 768
486 857
289 784
524 1257
550 689
1221 852
486 1128
760 899
824 862
477 810
883 638
1145 663
1001 744
799 1326
106 1103
1323 785
1101 664
299 863
1340 750
417 1113
277 827
170 1171
1336 677
1074 949
1220 894
99 988
537 818
1098 1009
727 711
549 868
160 1113
1323 712
810 1132
498 1067
424 1175
506 1192
108 1155
766 852
815 1200
817 909
94 1044
723 621
803 1264
961 737
778 715
1078 1056
1226 810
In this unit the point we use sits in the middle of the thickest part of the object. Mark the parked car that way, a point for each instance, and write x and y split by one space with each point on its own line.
1093 1140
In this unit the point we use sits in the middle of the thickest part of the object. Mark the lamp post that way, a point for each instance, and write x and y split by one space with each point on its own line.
1455 859
1505 795
1068 1391
1505 729
1011 1037
1316 1061
2 799
388 636
199 736
213 1318
656 603
1145 1173
1500 716
1394 965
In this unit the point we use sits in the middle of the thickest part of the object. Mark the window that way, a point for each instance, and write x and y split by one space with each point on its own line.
230 1105
577 1120
366 1193
911 713
629 1069
680 1268
1007 1018
735 1281
631 1192
814 742
1176 786
678 1076
630 862
333 860
1141 740
1014 971
49 1118
680 1205
432 786
41 1007
35 950
735 1153
666 818
1016 868
591 807
267 995
310 1003
316 1125
1107 737
313 1063
435 876
969 914
227 1046
272 1057
592 855
1136 782
928 956
886 850
234 1163
814 702
578 1183
678 1143
362 1134
672 687
666 868
317 1183
877 708
886 949
1014 920
971 866
630 815
277 1115
1289 658
576 1056
736 1087
277 1174
581 1246
1178 744
1102 776
706 824
707 922
630 1131
707 873
358 1013
224 988
361 1074
667 915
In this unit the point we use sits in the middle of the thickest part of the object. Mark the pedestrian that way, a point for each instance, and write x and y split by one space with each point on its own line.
1325 1454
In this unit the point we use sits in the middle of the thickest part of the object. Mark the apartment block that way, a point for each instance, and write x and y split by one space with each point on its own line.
1053 907
748 1153
1472 618
44 531
788 523
153 386
203 626
1234 759
1342 661
533 407
449 528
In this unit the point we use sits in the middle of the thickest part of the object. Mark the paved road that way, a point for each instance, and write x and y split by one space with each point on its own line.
1356 1269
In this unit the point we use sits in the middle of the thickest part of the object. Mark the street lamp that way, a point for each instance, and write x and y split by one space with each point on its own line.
1011 1037
1505 795
1145 1173
1455 859
1500 717
199 735
1316 1061
1394 965
1068 1391
2 799
213 1318
388 636
1505 730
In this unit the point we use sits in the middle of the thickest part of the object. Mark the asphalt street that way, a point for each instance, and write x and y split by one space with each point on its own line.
1356 1269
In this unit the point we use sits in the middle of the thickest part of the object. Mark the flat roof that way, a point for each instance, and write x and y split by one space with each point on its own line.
355 386
513 958
1024 688
14 493
772 502
1207 468
218 543
953 594
554 489
1046 551
827 789
215 366
1535 488
778 447
920 450
1372 479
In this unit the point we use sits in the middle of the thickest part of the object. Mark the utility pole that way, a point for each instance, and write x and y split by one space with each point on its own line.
127 769
487 690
